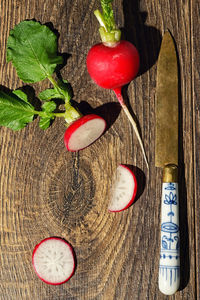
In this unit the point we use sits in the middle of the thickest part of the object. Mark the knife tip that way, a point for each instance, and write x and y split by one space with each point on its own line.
169 34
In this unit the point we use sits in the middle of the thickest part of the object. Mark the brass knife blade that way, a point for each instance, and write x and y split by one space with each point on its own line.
166 146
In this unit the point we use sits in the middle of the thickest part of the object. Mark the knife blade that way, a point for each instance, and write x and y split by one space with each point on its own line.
166 157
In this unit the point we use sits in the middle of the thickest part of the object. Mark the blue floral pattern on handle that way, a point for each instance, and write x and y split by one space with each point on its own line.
169 267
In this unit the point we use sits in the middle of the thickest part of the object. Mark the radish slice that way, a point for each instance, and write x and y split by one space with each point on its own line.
83 132
123 190
53 260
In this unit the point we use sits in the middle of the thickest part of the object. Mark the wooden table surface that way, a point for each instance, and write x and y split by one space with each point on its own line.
47 191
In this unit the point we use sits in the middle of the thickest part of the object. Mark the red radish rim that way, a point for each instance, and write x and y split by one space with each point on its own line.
70 248
76 124
134 191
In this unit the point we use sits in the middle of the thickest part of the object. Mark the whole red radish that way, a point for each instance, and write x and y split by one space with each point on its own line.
53 260
112 67
124 189
114 62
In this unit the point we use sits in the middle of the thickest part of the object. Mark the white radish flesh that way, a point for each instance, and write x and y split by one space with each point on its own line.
123 190
84 132
53 260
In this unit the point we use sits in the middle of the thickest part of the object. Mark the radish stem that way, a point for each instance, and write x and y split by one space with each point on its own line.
133 123
71 114
100 18
56 86
108 30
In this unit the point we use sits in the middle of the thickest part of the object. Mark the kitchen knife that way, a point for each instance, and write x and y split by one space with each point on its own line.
166 157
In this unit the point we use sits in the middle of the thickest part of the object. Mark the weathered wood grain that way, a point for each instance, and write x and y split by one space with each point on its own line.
195 14
45 190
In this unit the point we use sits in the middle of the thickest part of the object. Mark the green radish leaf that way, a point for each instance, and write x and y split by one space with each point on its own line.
61 91
49 94
20 94
47 108
65 88
44 122
15 110
106 1
32 48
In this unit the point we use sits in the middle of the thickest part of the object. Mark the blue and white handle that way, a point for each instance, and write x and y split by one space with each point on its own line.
169 266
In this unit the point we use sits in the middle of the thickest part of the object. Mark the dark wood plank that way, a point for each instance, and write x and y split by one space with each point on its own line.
196 129
47 191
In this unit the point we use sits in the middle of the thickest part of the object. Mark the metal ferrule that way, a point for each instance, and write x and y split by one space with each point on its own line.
170 173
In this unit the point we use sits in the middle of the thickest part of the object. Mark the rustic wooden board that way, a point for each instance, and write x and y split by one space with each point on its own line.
196 133
45 190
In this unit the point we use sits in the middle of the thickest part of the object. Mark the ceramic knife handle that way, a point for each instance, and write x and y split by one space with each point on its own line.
169 266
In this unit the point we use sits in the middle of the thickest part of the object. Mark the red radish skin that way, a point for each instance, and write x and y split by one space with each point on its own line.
114 62
83 132
70 254
113 67
125 185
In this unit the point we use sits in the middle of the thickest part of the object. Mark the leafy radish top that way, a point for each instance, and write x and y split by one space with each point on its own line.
32 48
108 30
